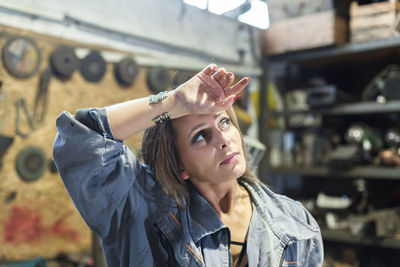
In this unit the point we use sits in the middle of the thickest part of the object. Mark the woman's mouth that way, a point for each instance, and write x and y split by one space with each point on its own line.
231 158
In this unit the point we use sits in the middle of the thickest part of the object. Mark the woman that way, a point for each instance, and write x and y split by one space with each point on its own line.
193 202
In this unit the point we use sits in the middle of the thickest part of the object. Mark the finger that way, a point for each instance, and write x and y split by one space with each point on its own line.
226 104
212 87
209 69
227 81
219 75
238 87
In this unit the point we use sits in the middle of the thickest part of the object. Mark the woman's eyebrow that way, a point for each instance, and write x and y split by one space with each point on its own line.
202 124
195 128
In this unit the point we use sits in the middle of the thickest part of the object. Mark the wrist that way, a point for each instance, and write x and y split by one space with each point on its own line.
175 105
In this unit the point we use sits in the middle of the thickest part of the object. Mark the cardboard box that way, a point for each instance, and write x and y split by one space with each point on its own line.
280 10
305 32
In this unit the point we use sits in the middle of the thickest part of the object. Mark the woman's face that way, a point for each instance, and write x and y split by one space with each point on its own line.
209 147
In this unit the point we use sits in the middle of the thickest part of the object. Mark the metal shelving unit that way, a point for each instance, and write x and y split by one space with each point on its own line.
346 237
347 109
339 52
367 52
367 172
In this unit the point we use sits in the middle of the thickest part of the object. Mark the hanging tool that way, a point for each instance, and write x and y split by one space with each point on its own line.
93 67
20 103
64 62
31 163
3 105
158 79
126 71
21 57
42 97
5 143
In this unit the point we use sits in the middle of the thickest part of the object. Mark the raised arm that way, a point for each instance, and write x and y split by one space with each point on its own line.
208 91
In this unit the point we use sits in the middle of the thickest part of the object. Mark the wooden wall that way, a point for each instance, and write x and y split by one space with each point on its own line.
38 218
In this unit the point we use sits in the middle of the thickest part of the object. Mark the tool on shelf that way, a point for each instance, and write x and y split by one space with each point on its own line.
384 86
368 138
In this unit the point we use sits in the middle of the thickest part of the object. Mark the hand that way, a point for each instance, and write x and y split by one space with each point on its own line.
209 91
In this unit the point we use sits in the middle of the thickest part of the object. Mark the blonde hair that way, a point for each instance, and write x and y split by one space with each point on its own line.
160 154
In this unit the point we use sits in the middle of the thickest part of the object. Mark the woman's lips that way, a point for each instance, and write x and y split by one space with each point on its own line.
230 159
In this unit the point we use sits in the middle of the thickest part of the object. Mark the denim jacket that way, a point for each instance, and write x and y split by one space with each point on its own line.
139 225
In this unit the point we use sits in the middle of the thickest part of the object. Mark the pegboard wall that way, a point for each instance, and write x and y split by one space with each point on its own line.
38 218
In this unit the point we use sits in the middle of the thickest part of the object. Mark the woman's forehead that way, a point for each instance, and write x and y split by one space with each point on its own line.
196 118
189 121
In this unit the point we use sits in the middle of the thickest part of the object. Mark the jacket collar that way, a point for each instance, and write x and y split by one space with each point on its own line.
286 218
202 218
285 221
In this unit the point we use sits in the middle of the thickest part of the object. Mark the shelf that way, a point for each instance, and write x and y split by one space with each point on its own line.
345 237
381 173
348 109
338 52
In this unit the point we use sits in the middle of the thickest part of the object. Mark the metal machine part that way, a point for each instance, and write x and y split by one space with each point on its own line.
21 57
392 88
322 96
356 133
386 223
296 100
41 99
384 84
158 79
20 103
392 137
360 133
126 71
93 67
344 158
5 143
3 104
31 163
64 62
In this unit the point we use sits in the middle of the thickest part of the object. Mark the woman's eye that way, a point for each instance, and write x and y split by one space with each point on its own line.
200 136
225 122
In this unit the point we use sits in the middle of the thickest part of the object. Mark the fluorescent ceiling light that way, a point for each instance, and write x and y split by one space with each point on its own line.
256 16
221 6
202 4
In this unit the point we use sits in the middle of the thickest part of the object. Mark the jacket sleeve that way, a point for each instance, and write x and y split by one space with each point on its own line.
102 176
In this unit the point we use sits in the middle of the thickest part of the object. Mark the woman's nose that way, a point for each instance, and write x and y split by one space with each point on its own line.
222 140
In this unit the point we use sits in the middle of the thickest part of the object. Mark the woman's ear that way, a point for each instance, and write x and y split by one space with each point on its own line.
184 173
